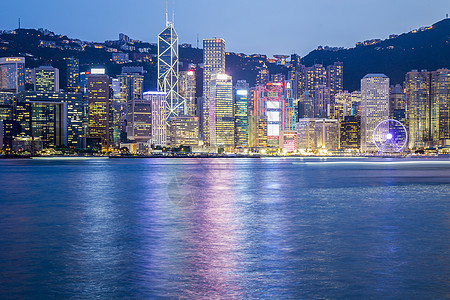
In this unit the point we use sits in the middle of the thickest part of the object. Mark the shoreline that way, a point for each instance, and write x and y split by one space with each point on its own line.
86 157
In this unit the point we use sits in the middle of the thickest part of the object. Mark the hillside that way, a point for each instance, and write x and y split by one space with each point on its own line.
428 49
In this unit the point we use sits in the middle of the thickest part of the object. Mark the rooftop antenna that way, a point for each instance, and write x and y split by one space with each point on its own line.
173 13
197 40
167 16
19 23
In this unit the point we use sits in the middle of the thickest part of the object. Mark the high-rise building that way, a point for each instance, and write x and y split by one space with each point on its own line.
184 131
263 76
374 107
335 78
73 73
428 113
257 131
440 93
75 111
350 133
221 112
290 116
305 133
305 106
322 101
356 103
49 123
241 93
288 141
168 70
159 128
342 105
326 134
12 74
139 120
187 89
213 62
315 76
131 86
419 113
99 108
46 79
396 99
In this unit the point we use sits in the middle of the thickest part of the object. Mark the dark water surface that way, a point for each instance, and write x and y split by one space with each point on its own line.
225 228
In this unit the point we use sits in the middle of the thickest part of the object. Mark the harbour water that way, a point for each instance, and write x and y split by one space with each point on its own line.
275 228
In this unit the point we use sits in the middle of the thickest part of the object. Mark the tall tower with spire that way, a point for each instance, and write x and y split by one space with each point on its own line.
168 69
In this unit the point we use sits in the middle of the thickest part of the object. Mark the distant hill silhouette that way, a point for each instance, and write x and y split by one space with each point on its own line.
427 49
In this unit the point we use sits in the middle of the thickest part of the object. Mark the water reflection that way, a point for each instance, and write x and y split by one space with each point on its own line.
231 228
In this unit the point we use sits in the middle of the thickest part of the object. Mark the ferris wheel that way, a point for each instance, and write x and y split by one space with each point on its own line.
390 136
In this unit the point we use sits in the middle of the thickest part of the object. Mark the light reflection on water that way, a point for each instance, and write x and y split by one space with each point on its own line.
225 228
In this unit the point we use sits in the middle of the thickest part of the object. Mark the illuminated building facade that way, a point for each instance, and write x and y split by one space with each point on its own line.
440 93
288 141
274 107
257 131
290 115
187 88
139 120
168 70
374 107
342 106
75 111
396 100
131 87
350 133
46 79
184 131
356 103
419 113
305 133
213 62
326 134
49 123
221 112
241 93
335 78
12 74
305 106
315 76
99 108
263 76
73 73
159 128
322 101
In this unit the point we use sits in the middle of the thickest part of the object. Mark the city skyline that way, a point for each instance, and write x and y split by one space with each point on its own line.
306 25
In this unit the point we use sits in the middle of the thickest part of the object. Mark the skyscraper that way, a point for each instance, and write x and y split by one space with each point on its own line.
428 112
12 74
73 73
183 131
335 78
187 91
221 116
418 96
139 119
263 75
241 93
168 70
213 61
98 103
46 79
440 93
159 127
374 107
